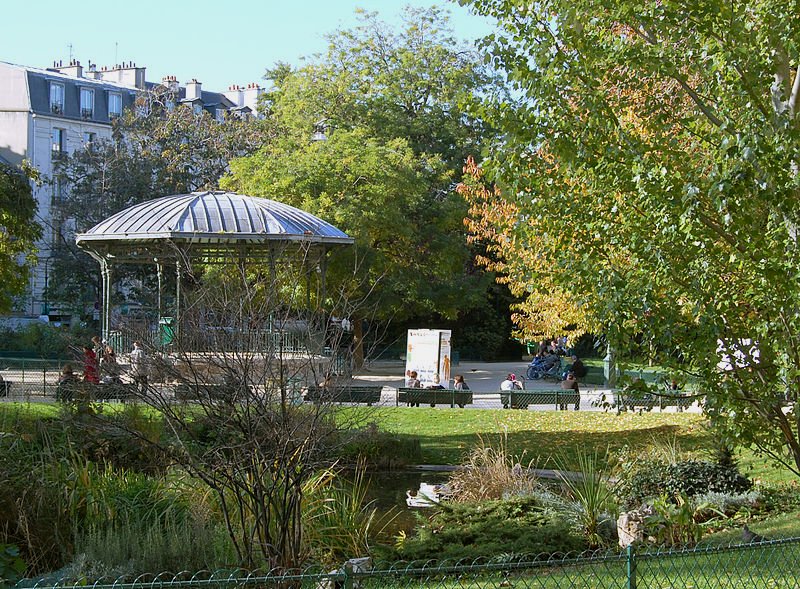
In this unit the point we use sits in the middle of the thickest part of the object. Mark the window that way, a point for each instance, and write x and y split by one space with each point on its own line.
197 108
87 103
58 140
89 139
114 105
58 190
57 98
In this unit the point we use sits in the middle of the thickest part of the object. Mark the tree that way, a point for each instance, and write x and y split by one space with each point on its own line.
230 393
651 168
19 231
155 151
387 110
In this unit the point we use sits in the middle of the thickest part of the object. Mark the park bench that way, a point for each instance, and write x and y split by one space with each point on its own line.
647 401
88 391
433 397
227 392
346 394
560 398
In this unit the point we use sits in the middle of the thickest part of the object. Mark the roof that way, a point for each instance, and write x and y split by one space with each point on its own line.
219 220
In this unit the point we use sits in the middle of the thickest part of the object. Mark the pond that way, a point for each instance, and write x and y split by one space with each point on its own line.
388 491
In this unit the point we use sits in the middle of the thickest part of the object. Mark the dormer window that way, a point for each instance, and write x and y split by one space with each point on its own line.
87 103
114 105
56 98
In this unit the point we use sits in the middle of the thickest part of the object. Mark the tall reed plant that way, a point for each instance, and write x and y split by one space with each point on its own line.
593 505
338 521
492 472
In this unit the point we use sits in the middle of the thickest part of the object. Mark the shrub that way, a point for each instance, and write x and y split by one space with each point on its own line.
646 480
490 528
712 504
379 449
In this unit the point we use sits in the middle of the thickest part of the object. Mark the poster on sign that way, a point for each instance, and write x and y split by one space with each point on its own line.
428 354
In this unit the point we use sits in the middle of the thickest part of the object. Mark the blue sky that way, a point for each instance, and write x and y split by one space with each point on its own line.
219 43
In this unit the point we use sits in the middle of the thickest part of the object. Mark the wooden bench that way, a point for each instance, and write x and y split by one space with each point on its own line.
433 397
88 391
347 394
560 398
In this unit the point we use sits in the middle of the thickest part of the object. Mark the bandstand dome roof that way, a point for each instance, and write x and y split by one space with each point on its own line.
217 220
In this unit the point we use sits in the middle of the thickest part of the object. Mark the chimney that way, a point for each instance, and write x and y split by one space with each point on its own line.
92 73
193 89
125 73
234 94
251 95
74 68
171 82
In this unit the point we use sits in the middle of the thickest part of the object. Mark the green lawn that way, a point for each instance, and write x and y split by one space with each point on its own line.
447 435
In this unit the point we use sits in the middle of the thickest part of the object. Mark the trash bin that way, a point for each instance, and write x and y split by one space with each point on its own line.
166 330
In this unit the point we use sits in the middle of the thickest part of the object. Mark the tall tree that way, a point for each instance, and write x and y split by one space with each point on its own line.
372 136
651 165
18 232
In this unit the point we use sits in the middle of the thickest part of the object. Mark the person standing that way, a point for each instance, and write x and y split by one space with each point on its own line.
139 365
90 366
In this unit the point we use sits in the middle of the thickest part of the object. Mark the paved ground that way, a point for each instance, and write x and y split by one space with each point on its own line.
480 376
484 380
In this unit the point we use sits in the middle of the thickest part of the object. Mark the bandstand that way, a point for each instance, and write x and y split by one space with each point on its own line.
174 232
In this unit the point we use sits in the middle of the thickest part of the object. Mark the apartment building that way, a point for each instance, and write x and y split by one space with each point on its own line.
48 112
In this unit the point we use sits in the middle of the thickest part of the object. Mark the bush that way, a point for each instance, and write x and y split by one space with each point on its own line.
713 504
491 528
379 449
647 480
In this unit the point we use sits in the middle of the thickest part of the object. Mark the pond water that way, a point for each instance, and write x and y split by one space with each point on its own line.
388 490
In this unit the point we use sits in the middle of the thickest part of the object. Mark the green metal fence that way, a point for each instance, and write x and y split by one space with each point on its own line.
772 564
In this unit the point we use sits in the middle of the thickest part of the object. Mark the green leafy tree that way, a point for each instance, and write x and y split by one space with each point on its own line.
18 231
372 136
650 166
155 151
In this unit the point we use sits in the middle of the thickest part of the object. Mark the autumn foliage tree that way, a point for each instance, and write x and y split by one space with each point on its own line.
648 181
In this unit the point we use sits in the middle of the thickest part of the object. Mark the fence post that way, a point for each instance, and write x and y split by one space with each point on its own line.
347 569
631 566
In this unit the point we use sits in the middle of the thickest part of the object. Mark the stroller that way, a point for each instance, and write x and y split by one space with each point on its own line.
543 370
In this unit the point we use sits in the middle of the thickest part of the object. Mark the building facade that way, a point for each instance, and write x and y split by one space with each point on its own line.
46 113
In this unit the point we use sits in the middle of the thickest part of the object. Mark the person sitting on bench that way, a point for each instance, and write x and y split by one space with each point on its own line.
570 384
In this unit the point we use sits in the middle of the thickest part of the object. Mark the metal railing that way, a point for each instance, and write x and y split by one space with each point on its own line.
749 566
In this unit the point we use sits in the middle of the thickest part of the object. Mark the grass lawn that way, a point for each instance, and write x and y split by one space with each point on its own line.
446 436
538 436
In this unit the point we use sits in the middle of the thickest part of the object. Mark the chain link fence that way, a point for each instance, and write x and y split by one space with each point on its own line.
768 565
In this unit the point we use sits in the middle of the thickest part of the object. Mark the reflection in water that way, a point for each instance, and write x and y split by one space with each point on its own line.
388 491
